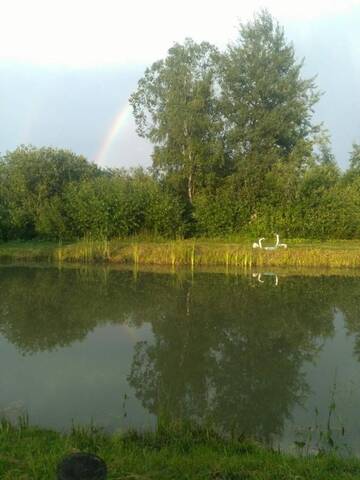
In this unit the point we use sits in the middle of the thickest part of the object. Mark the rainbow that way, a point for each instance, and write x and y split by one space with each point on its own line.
119 122
131 332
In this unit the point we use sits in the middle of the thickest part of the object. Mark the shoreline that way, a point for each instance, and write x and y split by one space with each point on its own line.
192 253
185 270
171 452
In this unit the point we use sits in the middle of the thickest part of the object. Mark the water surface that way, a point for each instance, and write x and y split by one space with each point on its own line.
266 356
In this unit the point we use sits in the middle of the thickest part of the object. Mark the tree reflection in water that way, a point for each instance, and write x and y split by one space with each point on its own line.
226 348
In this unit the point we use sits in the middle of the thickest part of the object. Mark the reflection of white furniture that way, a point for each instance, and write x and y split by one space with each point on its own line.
269 274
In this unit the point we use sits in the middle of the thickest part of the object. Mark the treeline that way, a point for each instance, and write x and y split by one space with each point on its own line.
55 194
235 151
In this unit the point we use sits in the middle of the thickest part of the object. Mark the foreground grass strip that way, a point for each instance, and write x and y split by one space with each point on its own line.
170 453
191 253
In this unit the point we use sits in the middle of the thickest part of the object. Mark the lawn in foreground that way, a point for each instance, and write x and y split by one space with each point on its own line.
28 453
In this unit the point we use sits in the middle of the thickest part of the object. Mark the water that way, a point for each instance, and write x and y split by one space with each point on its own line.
262 355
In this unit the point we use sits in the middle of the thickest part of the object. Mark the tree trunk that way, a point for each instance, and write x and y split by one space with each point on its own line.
190 188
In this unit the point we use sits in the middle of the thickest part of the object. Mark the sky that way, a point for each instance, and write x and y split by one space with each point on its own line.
67 68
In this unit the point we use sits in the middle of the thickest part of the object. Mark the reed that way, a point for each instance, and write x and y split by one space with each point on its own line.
189 253
136 255
27 251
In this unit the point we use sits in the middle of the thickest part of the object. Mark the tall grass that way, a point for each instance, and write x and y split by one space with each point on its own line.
191 253
200 253
174 452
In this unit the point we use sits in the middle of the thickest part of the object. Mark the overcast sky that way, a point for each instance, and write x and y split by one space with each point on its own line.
68 67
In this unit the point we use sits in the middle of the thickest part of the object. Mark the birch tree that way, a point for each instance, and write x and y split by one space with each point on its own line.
176 108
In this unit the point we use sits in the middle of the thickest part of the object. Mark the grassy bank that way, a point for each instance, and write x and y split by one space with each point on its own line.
192 253
175 452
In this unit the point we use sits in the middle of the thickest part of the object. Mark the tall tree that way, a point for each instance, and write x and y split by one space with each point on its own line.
323 154
355 158
352 175
266 102
175 107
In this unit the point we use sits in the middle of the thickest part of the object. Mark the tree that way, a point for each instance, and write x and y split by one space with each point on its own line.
31 177
211 358
323 154
355 158
352 175
119 205
175 107
266 103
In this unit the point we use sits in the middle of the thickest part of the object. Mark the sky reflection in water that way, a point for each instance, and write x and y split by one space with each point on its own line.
260 357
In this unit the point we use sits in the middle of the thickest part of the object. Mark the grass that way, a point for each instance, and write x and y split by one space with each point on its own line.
193 253
31 250
172 452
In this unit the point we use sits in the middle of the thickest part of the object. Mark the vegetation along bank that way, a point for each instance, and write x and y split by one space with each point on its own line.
169 453
190 253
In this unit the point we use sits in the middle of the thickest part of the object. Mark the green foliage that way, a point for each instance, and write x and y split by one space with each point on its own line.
355 158
266 102
30 178
176 108
172 452
120 205
56 194
5 223
103 207
222 212
353 173
164 215
235 152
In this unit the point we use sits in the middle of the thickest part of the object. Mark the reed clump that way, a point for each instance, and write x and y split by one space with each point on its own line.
83 251
195 253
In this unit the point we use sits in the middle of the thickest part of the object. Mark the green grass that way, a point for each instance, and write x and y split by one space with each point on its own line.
173 452
31 250
192 252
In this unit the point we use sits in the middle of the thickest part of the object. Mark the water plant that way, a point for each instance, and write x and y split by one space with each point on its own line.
328 437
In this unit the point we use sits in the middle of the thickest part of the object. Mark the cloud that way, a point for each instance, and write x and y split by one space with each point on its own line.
112 32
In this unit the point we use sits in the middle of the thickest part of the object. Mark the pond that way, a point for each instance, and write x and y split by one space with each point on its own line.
275 357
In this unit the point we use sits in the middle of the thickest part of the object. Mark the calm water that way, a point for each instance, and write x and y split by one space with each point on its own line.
260 355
